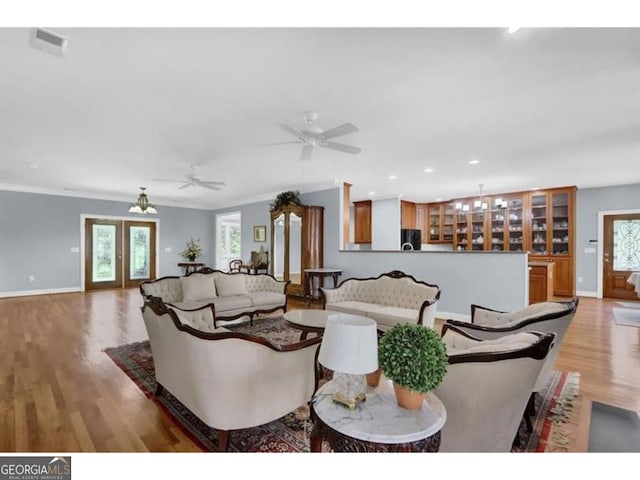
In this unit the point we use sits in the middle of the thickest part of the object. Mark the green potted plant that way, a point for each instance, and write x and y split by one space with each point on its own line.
415 359
192 251
285 198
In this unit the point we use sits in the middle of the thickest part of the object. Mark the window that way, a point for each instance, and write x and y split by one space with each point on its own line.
229 240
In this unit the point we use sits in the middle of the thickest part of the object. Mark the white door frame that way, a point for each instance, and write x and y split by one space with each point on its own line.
83 219
601 216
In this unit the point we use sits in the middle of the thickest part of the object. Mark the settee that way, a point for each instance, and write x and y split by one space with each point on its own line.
389 299
229 380
232 296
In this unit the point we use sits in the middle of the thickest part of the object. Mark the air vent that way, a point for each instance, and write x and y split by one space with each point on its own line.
48 42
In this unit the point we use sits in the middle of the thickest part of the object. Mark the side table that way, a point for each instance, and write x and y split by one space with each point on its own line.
189 267
376 425
320 274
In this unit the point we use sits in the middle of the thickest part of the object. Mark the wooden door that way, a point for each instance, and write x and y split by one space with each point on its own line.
139 252
621 254
119 253
563 276
408 214
103 253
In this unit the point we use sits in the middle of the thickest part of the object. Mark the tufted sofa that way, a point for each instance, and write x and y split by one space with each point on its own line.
229 380
390 298
231 295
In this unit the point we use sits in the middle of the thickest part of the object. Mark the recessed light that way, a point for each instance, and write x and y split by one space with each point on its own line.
513 30
535 188
428 170
392 177
372 193
439 199
474 162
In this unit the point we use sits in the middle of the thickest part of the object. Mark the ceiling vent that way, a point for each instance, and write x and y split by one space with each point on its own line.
48 41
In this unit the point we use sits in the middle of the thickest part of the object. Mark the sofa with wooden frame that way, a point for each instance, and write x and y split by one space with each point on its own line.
389 299
233 296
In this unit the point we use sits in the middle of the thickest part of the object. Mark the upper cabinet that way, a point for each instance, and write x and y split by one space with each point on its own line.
408 214
362 221
439 223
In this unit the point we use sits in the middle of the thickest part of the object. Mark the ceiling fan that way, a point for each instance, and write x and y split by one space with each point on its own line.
193 179
311 136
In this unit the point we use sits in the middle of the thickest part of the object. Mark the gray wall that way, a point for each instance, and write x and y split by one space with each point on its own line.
385 224
589 202
38 231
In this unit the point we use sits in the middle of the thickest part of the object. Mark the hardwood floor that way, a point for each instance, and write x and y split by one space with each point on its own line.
60 392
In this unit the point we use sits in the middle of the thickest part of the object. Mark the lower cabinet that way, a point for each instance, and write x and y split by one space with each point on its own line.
563 285
540 282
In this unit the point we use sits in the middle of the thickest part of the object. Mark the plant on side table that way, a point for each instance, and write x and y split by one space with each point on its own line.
192 251
415 359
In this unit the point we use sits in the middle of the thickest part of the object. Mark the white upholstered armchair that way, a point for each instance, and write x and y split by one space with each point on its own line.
552 317
229 380
487 386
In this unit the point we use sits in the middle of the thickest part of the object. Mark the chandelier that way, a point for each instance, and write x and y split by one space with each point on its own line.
479 205
142 205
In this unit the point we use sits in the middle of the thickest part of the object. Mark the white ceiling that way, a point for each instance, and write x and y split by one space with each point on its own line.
543 107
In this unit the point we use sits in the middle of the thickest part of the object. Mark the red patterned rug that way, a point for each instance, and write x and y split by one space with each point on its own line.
291 432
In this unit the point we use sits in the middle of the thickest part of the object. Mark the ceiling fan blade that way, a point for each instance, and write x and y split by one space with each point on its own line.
341 147
293 131
210 182
210 187
306 152
337 131
167 180
185 185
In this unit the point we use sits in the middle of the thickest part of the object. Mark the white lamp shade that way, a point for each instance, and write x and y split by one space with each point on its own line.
349 344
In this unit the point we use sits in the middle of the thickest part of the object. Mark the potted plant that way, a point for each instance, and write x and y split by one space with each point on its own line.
192 251
285 198
415 359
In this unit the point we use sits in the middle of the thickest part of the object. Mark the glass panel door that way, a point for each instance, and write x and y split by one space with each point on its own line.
560 219
447 223
515 215
103 253
434 223
539 224
140 252
621 254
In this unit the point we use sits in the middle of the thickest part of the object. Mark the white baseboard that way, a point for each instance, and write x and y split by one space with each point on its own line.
453 316
25 293
586 294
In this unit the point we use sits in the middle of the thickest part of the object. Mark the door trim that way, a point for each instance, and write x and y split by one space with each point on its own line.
601 215
85 216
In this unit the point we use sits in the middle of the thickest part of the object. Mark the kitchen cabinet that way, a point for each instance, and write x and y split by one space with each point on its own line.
439 218
362 221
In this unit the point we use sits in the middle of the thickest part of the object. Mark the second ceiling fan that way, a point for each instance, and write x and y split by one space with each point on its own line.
311 136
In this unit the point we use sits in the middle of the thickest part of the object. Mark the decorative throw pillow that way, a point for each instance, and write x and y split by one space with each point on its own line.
232 284
198 286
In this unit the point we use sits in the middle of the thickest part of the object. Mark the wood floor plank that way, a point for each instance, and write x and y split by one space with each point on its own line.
60 392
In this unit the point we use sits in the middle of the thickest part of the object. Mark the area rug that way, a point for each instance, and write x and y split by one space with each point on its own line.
629 317
291 432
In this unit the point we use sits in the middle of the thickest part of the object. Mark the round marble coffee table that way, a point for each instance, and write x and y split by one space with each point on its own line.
309 321
376 425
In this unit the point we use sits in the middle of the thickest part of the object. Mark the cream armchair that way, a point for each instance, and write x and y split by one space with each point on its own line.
552 317
229 380
487 386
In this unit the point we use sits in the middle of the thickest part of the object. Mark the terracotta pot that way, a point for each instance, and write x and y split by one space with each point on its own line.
373 378
408 398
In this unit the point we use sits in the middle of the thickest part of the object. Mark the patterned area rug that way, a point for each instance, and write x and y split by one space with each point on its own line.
291 432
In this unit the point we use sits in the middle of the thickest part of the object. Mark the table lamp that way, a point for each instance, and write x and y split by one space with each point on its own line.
350 348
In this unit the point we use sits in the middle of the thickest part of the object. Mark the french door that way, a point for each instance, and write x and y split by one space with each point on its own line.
119 253
621 254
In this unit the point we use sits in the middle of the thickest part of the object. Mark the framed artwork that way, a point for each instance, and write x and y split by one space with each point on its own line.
260 233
